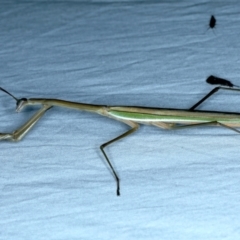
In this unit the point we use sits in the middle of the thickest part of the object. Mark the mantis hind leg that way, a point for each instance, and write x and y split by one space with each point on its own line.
210 94
213 123
134 126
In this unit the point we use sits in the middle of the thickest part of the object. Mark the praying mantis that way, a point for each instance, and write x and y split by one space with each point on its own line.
132 116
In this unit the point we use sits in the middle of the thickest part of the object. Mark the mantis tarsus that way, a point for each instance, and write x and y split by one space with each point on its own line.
131 116
216 80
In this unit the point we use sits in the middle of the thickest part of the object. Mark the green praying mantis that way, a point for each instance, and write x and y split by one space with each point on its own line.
133 116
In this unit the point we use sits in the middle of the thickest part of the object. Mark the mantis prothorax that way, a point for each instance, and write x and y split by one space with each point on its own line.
131 116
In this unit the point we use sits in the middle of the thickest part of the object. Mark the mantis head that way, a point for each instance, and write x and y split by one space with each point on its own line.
20 102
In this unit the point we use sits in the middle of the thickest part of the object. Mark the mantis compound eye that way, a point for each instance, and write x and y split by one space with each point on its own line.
20 104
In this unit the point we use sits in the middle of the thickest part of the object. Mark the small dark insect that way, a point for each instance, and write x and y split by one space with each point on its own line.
212 22
216 80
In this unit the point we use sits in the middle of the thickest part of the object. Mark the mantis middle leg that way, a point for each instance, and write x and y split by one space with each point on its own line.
134 126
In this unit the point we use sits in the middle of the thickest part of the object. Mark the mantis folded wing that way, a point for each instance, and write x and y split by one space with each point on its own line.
131 116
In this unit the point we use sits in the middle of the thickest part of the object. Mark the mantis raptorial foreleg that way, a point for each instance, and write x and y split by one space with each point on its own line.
22 131
134 126
210 94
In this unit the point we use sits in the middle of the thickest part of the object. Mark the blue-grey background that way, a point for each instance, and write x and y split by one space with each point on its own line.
54 184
